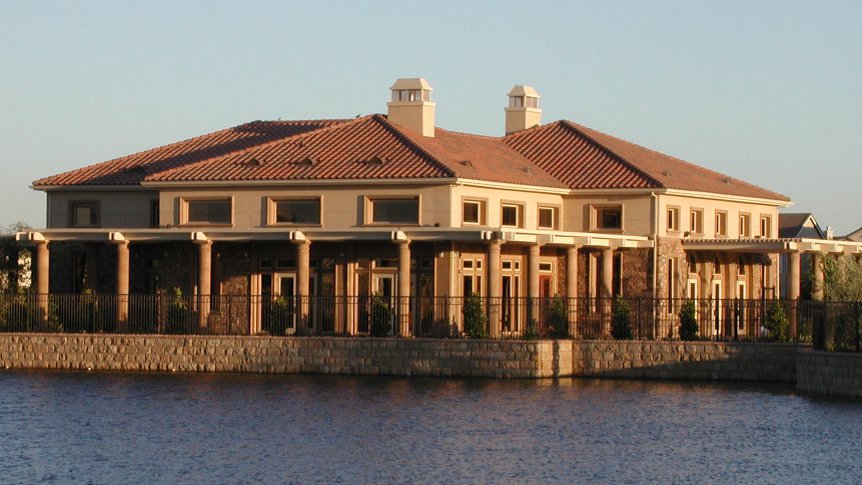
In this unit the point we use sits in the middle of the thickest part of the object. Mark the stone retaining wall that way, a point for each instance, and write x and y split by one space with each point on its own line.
833 373
417 357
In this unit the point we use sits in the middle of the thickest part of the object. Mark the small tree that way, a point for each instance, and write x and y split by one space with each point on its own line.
280 316
381 317
558 319
776 323
688 327
178 313
620 327
475 323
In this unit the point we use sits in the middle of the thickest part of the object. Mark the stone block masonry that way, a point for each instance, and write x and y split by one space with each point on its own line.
400 357
838 374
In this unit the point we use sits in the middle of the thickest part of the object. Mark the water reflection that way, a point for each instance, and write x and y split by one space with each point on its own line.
106 427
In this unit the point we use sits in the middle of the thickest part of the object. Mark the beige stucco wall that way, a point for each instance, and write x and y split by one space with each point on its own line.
118 208
709 207
495 197
637 212
342 207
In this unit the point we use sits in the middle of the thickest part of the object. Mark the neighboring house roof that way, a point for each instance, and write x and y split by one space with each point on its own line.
587 159
799 225
854 236
560 154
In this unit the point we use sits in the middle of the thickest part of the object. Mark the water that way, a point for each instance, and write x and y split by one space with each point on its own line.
61 427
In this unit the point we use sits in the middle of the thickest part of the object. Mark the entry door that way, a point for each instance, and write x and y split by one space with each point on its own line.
716 307
285 291
741 302
383 303
510 307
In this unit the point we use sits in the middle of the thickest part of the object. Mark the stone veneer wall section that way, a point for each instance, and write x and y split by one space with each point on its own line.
415 357
835 373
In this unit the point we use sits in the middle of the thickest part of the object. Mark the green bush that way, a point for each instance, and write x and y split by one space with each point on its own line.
688 327
620 326
381 317
280 316
178 321
475 323
776 323
558 318
531 332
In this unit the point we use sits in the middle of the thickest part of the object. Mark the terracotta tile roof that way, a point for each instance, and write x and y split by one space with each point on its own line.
560 154
588 159
132 169
364 148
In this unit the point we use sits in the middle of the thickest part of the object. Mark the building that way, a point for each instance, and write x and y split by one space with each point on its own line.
338 216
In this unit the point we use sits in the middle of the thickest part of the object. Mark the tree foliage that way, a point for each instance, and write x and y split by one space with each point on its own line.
475 323
620 326
842 278
688 327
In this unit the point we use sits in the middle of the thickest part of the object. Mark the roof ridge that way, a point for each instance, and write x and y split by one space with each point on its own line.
405 138
339 123
464 133
576 129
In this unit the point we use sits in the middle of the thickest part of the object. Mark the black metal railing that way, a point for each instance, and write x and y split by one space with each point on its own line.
828 325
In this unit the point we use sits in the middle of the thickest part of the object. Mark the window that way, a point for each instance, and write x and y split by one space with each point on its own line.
154 213
296 211
84 214
208 211
765 226
695 224
740 266
671 284
511 215
720 223
473 212
744 225
610 217
395 211
547 217
673 218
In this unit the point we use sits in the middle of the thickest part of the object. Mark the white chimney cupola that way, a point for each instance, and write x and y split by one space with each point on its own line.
411 105
523 111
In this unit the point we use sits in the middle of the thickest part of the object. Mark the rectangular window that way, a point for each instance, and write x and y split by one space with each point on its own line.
208 211
84 214
720 223
765 226
610 217
297 211
154 213
511 215
547 217
744 225
671 284
673 218
473 212
695 223
395 211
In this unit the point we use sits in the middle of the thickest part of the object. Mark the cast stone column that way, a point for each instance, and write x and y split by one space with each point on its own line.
533 282
204 280
303 264
404 288
795 259
42 278
572 289
607 289
122 286
817 266
495 290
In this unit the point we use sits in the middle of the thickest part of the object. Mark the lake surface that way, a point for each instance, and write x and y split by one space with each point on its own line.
61 427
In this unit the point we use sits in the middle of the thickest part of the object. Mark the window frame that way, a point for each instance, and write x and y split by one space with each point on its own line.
483 205
272 211
720 226
371 200
96 213
768 219
744 224
555 216
519 214
184 210
691 220
672 222
597 215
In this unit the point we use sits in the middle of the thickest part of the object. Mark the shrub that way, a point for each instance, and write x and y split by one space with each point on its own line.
776 323
178 314
279 316
620 327
381 317
558 319
688 327
531 332
475 323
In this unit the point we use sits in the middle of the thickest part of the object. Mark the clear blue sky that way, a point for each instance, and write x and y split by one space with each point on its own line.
770 92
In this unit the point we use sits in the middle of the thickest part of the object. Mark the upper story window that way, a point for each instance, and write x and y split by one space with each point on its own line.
673 218
695 223
295 211
473 211
744 225
548 218
208 211
720 223
387 210
512 215
84 214
154 213
765 226
608 217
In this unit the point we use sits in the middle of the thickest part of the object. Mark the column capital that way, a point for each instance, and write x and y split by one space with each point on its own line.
203 243
301 242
